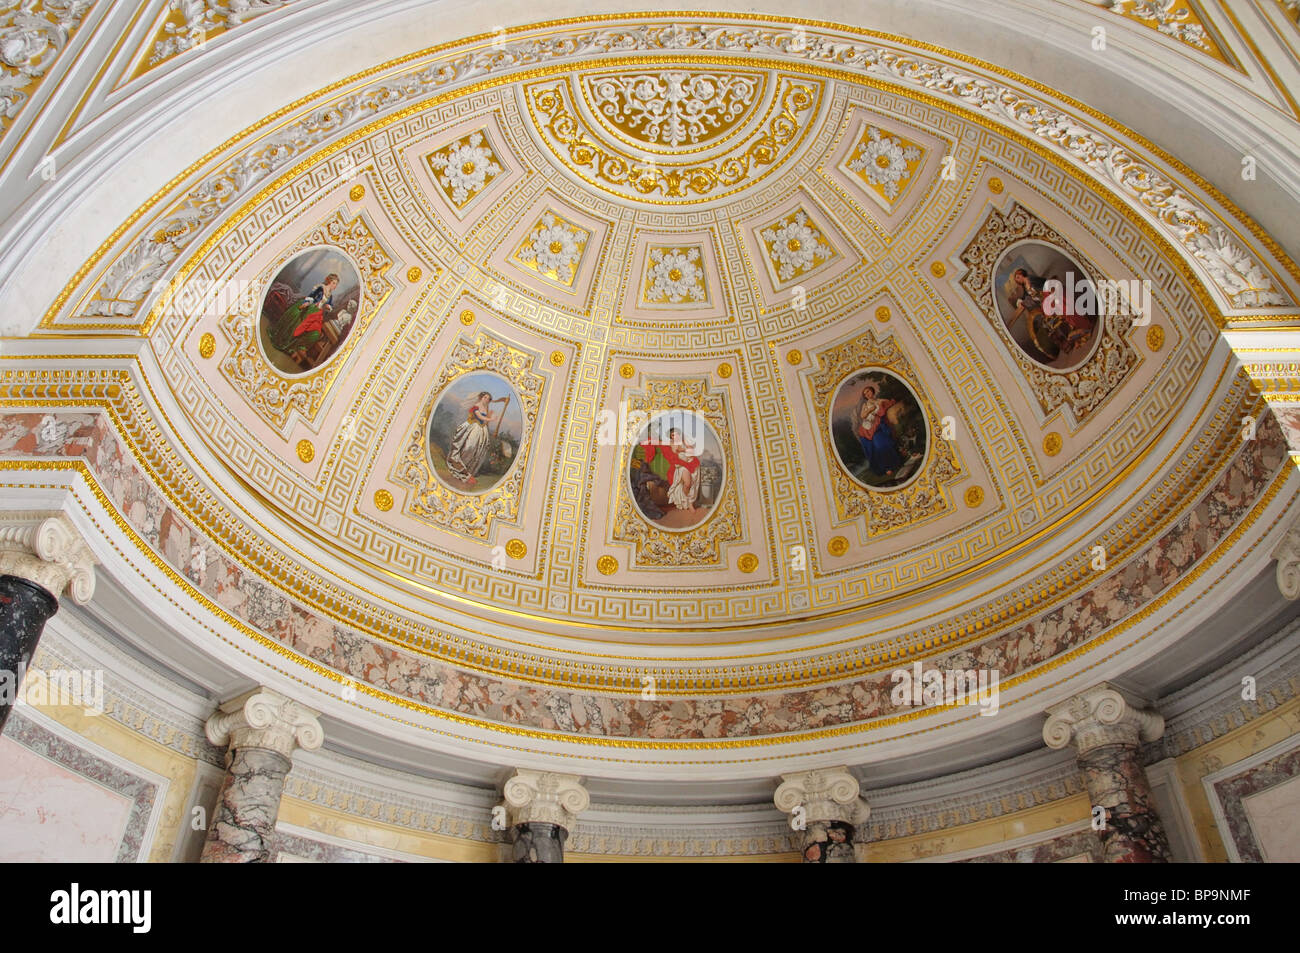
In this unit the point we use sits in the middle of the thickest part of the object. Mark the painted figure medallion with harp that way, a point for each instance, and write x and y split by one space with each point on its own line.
474 432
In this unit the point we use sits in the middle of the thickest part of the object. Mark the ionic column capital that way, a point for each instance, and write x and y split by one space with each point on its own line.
545 797
1287 554
265 719
1102 715
825 794
45 548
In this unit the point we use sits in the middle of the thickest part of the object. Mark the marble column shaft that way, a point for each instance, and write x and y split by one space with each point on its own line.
41 556
537 842
262 730
1107 729
825 810
542 808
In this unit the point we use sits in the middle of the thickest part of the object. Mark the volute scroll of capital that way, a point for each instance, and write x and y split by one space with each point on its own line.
1287 555
47 549
545 796
265 719
1100 716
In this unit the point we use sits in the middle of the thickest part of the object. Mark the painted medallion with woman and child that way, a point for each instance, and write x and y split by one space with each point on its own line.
676 470
878 429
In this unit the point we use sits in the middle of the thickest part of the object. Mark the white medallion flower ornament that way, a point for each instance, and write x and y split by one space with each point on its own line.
882 161
674 276
795 246
466 167
553 248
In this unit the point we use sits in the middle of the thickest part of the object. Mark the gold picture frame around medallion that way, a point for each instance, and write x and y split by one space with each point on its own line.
1081 389
432 499
925 496
703 543
275 396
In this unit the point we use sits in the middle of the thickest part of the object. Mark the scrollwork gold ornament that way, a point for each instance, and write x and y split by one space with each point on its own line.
431 500
1233 265
613 168
34 34
274 396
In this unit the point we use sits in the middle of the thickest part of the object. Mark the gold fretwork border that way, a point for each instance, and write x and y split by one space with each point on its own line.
113 391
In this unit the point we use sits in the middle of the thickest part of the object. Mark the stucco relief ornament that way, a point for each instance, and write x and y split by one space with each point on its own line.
673 109
200 17
466 167
1233 269
46 549
32 34
675 275
795 246
1169 17
1287 555
268 720
829 794
1100 716
883 161
553 247
124 288
545 797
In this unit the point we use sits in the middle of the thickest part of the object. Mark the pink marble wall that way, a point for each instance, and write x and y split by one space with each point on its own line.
1067 847
1234 793
59 803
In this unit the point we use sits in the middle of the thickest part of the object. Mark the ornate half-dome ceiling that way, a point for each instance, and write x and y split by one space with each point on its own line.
666 385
